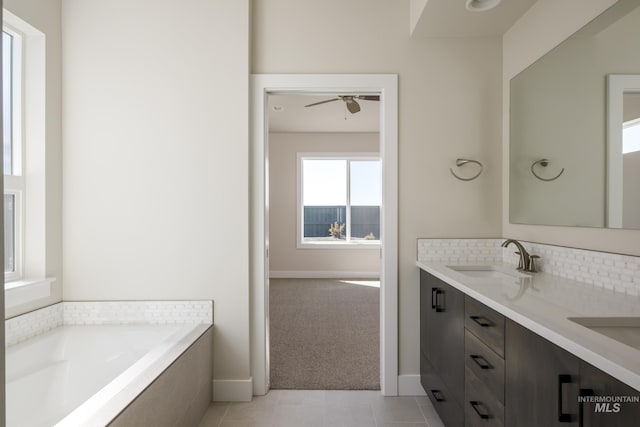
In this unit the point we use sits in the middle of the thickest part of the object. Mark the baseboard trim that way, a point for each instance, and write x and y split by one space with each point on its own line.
232 390
323 275
409 385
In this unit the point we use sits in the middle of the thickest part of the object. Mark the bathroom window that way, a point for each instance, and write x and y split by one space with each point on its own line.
24 139
339 199
12 149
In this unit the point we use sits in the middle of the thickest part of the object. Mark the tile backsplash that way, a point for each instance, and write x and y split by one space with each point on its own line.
461 251
21 328
620 273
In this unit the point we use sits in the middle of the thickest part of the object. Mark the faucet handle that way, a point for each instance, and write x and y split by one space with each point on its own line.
520 265
532 264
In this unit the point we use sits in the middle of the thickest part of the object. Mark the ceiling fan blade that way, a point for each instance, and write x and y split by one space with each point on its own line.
323 102
352 106
368 97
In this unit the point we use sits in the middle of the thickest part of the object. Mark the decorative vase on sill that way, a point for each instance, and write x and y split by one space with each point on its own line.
336 230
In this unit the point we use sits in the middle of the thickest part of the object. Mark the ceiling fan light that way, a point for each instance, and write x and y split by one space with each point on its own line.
352 106
481 5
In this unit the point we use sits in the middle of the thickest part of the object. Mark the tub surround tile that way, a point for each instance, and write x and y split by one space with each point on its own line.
23 327
616 272
180 396
214 414
129 312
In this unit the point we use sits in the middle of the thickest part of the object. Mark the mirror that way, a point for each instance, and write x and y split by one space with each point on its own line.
567 165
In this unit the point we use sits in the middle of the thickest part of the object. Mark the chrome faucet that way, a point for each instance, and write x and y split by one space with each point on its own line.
526 262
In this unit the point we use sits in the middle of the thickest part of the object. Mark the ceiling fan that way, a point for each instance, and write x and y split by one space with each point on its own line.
350 101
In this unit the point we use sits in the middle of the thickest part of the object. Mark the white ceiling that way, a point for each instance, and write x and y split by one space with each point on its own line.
329 117
450 18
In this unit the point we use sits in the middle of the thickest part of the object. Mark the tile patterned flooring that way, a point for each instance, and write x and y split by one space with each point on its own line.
320 408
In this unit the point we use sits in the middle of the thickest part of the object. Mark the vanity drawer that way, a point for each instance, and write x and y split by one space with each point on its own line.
448 408
481 407
485 364
485 323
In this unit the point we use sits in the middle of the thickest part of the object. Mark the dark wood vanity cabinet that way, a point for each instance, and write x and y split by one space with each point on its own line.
541 381
442 347
594 382
481 369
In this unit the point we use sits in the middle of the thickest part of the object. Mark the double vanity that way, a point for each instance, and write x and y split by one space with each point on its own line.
506 347
500 346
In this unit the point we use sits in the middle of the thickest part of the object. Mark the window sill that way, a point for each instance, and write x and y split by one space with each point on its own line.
334 245
23 291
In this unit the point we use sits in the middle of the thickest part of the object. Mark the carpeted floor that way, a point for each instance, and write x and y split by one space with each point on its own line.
325 334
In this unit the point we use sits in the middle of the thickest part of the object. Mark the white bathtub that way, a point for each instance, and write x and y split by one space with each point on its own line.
88 375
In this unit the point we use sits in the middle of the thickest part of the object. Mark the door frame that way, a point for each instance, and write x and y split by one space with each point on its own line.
387 86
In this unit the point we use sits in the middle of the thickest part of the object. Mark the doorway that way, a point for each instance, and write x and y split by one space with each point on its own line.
384 86
325 199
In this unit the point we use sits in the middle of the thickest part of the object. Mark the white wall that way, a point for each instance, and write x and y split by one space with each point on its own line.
284 256
44 15
156 159
449 107
546 24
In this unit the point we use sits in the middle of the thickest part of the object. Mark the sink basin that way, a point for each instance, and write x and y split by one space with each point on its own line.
488 271
622 329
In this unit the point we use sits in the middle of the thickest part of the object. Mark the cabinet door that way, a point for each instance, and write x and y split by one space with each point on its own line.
442 331
451 329
429 339
431 295
428 374
594 382
442 347
426 334
541 384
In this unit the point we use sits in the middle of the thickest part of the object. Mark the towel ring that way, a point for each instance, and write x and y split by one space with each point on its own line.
461 162
544 163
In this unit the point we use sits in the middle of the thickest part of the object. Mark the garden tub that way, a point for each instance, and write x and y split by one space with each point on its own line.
91 374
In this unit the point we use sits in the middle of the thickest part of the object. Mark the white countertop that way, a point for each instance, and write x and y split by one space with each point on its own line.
543 303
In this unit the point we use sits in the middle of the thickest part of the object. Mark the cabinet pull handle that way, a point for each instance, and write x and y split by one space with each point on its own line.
583 392
481 361
482 321
485 415
436 304
440 301
562 416
438 396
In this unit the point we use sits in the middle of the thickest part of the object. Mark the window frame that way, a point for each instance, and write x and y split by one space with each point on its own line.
348 243
14 184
